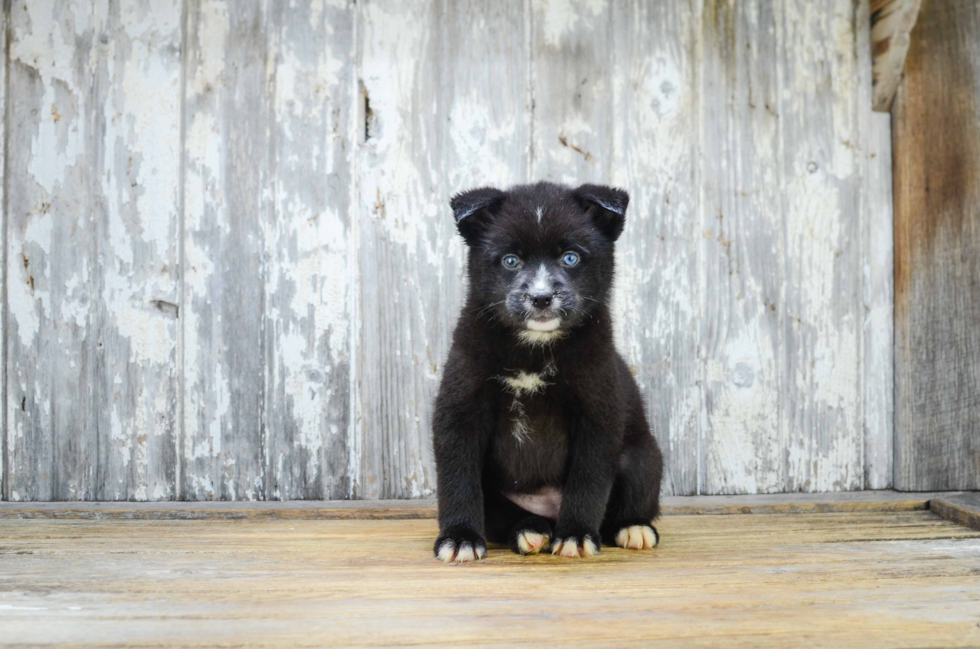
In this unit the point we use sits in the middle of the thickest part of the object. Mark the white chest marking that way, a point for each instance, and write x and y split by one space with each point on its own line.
524 383
520 385
532 337
539 213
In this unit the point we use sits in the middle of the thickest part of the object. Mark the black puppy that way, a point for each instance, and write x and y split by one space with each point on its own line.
539 430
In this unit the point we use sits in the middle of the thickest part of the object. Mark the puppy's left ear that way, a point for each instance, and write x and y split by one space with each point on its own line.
474 210
606 207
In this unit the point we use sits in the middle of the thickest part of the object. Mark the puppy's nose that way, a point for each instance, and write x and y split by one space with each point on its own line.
541 300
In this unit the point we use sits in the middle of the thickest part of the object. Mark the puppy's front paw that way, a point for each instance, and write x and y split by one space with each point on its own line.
460 546
575 544
530 536
637 537
530 542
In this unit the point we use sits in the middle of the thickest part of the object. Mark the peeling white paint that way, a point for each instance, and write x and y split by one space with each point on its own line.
561 17
4 326
878 325
736 300
99 105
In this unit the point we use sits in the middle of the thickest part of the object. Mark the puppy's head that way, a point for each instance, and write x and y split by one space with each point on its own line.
540 256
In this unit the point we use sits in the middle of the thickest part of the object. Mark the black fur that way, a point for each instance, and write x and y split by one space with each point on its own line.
586 431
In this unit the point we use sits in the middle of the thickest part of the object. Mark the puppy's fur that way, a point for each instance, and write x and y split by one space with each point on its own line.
539 431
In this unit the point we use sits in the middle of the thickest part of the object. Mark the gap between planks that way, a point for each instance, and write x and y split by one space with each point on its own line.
958 507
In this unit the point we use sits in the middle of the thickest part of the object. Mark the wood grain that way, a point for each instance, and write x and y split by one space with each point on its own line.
91 258
963 509
783 160
936 144
891 23
445 84
227 510
227 206
822 148
897 579
743 445
854 501
267 218
4 450
231 272
653 94
878 268
307 330
572 74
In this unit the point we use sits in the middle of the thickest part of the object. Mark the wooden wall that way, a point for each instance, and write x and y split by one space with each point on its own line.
937 252
231 272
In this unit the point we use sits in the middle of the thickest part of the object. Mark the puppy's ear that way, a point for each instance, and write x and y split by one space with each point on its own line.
474 210
606 207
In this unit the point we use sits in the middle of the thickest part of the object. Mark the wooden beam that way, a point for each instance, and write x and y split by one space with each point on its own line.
960 508
936 153
788 503
891 23
223 510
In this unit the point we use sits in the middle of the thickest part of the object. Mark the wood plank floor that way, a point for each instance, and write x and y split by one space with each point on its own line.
900 579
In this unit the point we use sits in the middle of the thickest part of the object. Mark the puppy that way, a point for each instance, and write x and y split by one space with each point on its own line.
539 431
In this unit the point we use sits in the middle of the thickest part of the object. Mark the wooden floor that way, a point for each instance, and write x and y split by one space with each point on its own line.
899 579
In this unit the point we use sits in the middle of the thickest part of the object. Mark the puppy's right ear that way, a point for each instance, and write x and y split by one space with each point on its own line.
474 210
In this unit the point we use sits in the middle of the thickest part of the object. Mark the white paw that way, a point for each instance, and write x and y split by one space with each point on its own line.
571 548
637 537
531 542
449 553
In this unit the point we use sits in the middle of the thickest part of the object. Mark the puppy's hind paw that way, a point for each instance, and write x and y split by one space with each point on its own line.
637 537
573 547
460 547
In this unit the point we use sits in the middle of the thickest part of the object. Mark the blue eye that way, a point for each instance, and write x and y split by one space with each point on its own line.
570 259
510 262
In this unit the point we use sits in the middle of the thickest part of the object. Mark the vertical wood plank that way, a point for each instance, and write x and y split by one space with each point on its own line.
742 442
226 206
91 250
821 302
444 87
879 339
267 219
653 78
49 361
936 140
877 266
571 84
307 330
4 459
139 251
782 175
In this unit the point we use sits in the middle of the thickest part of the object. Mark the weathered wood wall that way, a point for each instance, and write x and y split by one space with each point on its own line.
937 252
231 272
91 224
